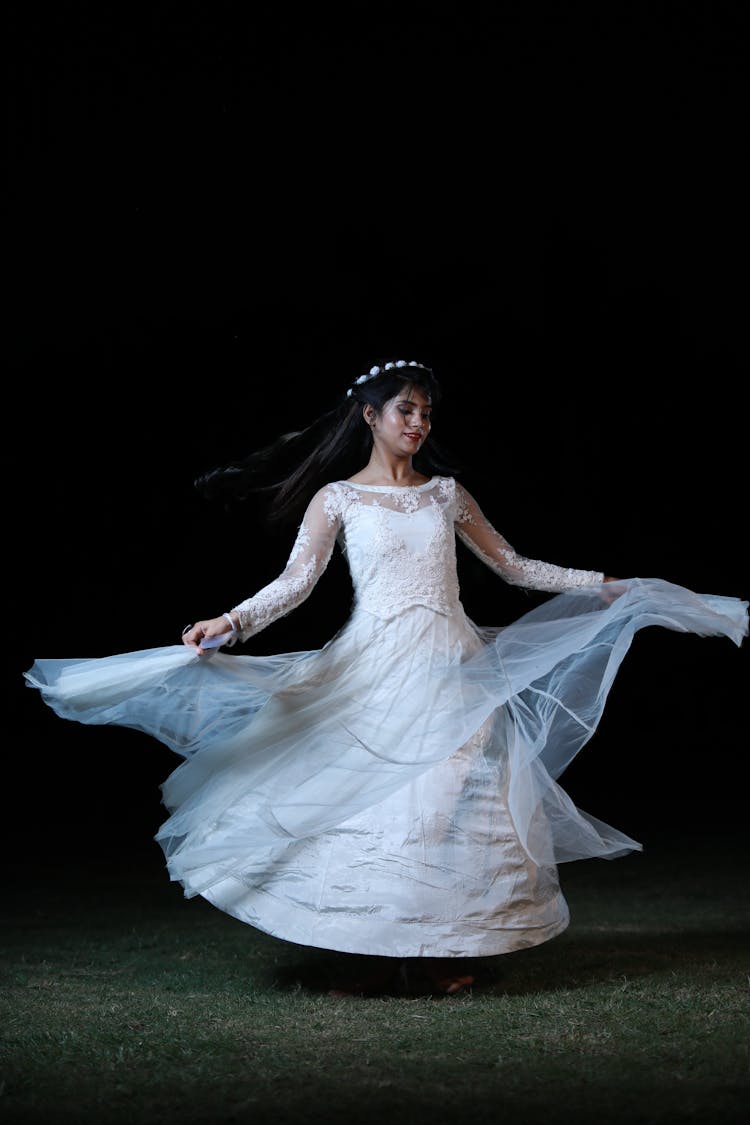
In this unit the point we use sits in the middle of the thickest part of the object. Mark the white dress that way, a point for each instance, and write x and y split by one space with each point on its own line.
394 792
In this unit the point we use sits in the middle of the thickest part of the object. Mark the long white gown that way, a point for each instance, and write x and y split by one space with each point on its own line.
394 792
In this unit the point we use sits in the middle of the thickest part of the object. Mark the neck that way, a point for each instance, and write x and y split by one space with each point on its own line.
383 468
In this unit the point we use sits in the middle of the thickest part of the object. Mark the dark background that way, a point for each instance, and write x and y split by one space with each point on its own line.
219 219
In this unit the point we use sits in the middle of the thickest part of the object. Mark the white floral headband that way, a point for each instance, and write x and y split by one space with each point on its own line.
387 367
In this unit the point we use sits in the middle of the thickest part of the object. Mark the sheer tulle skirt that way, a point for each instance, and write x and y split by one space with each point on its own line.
395 791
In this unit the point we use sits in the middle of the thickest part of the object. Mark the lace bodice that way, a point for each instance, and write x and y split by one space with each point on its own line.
400 545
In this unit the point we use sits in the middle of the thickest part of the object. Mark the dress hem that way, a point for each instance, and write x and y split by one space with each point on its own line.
393 939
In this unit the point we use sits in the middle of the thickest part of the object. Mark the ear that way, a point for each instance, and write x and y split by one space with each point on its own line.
369 414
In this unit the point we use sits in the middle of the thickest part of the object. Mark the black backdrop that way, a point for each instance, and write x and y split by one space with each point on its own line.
218 219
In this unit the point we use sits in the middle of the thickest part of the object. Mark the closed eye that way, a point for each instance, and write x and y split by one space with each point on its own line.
408 410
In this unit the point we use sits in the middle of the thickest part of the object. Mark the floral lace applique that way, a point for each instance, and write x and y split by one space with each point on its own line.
463 511
300 543
409 558
400 545
408 499
332 504
310 554
277 599
478 534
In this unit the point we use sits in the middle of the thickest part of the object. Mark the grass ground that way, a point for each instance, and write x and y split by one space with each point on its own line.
122 1002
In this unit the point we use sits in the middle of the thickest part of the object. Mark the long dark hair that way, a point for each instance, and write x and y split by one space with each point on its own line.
337 444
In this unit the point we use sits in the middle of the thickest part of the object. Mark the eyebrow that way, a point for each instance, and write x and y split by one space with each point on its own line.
411 402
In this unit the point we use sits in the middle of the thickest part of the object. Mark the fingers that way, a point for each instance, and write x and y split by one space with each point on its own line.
206 635
612 592
193 634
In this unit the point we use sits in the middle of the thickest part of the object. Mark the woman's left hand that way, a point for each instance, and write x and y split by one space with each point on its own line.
610 595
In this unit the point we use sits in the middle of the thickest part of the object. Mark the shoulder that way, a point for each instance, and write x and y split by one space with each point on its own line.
445 487
333 499
455 498
464 505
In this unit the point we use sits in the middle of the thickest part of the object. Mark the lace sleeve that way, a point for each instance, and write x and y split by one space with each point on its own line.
480 536
310 556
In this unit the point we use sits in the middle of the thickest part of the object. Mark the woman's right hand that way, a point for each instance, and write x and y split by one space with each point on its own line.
193 635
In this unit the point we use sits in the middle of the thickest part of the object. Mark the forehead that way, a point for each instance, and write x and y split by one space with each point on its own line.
413 394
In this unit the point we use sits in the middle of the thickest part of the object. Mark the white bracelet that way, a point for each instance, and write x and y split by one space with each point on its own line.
231 622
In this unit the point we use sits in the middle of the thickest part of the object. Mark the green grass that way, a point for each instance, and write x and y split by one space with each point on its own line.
122 1002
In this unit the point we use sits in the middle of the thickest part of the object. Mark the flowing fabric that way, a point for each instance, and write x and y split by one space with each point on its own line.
395 791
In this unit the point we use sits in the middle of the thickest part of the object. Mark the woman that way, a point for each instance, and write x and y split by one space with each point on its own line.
394 793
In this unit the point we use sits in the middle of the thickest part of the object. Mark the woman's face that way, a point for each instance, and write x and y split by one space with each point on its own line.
404 422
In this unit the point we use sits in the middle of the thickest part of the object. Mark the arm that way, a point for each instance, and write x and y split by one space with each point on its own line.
310 555
475 530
